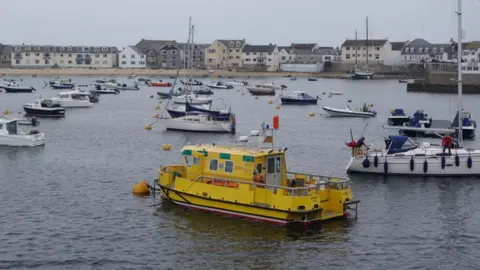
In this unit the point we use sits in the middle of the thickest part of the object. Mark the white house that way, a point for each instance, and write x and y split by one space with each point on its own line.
261 57
395 57
286 54
131 57
355 51
32 56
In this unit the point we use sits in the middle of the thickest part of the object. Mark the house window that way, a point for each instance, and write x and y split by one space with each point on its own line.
213 164
104 56
173 64
254 53
228 166
210 60
369 55
69 55
364 48
104 49
123 56
37 61
237 57
132 56
124 62
412 49
174 52
70 49
69 61
37 54
17 62
377 48
269 60
27 54
46 62
247 60
426 50
347 56
441 50
142 56
254 59
247 53
105 62
237 50
230 50
132 62
230 57
377 56
269 53
420 49
61 55
347 48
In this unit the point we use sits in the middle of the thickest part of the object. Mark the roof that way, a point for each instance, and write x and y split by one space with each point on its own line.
473 45
259 48
303 46
433 49
398 45
363 42
284 48
135 49
5 49
147 44
229 149
232 43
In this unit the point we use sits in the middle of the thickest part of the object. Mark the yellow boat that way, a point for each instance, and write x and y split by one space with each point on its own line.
252 182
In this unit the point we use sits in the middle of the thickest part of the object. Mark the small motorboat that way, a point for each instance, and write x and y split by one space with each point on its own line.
58 81
202 91
104 91
201 123
190 82
348 112
293 78
73 99
29 121
261 90
63 85
10 135
105 83
44 108
220 85
312 79
122 86
159 83
7 83
15 88
299 98
236 83
398 117
192 99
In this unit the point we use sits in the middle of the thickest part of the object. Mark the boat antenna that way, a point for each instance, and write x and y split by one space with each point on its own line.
459 71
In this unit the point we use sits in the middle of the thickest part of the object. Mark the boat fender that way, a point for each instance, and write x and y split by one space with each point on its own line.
425 166
412 164
375 161
366 162
457 160
385 167
469 162
443 161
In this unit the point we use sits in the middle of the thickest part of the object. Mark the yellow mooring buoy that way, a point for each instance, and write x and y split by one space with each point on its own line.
148 127
159 101
156 115
141 188
5 112
157 107
311 114
270 102
167 147
278 107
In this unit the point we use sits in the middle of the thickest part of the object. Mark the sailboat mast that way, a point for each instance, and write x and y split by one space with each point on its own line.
188 86
459 71
367 39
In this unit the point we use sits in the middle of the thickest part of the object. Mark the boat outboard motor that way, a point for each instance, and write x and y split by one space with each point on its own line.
98 87
283 86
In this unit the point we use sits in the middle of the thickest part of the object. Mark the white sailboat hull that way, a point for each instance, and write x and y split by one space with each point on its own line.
401 165
204 126
22 140
346 112
70 103
193 101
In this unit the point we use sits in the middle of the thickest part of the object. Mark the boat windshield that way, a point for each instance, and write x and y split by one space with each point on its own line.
399 144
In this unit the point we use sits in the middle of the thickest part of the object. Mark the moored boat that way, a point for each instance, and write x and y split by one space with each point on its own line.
261 90
201 123
312 79
63 85
191 82
237 83
10 135
192 99
299 98
220 85
398 117
44 108
348 112
15 88
73 99
251 181
159 83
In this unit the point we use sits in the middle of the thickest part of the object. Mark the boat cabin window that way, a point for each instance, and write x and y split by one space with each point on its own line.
337 186
188 161
196 160
259 168
12 128
228 166
277 165
213 164
271 165
1 126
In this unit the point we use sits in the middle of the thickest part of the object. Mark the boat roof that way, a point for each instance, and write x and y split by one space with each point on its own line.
298 92
6 120
231 149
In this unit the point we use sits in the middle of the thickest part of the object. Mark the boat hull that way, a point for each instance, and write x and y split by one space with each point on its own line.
401 166
160 84
192 101
213 127
67 86
253 212
362 76
344 113
18 90
293 101
261 92
22 140
398 120
53 112
107 92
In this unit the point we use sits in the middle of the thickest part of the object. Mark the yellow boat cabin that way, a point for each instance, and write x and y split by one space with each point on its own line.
252 182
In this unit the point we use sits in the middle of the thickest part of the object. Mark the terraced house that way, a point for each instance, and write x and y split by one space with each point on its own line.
44 56
224 53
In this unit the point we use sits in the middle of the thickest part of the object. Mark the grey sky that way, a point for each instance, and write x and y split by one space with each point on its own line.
328 22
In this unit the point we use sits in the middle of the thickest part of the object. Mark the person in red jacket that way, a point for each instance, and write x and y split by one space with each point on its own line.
447 143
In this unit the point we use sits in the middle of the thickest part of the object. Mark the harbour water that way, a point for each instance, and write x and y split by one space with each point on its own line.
68 205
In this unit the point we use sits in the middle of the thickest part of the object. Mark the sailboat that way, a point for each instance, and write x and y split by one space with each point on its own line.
198 119
402 156
364 73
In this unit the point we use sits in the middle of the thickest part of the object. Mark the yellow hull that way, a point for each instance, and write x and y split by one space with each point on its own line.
248 211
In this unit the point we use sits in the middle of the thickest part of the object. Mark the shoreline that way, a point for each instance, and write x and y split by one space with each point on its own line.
52 72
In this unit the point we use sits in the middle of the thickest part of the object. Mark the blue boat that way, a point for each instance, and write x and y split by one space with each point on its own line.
398 117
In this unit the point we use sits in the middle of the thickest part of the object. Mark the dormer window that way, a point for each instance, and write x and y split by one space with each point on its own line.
420 49
231 44
104 49
238 44
96 49
70 48
62 49
37 48
407 49
412 49
442 50
86 49
434 49
18 48
28 48
426 50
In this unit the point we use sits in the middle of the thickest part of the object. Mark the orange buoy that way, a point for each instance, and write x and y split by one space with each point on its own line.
276 122
142 188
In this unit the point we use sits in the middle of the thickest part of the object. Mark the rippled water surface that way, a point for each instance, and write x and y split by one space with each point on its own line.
68 205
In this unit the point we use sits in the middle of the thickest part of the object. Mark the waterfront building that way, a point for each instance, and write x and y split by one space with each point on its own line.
131 57
261 58
225 54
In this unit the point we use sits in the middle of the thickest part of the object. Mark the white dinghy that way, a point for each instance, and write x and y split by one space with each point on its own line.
10 135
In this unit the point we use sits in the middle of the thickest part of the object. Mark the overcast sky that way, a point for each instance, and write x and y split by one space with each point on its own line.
327 22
